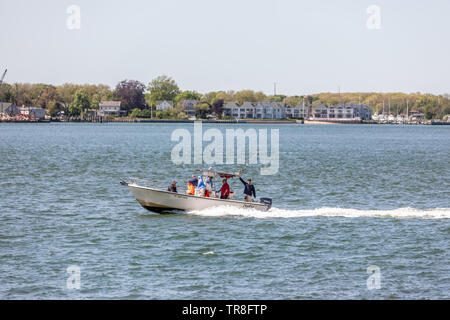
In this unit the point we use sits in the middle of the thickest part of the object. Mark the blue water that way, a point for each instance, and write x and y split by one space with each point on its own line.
346 197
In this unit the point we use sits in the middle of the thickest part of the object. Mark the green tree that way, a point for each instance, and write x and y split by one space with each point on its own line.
293 101
95 100
245 95
65 95
7 93
187 95
202 110
163 88
429 114
277 98
210 96
225 96
135 113
52 108
80 102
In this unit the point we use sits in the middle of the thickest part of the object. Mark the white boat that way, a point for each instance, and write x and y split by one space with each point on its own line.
158 200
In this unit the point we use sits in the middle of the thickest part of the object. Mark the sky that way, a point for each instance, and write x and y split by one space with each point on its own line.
207 45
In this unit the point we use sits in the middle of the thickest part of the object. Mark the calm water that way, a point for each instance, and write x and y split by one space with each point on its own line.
345 197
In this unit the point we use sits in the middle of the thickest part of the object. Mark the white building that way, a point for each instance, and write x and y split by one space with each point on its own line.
298 111
229 108
260 112
110 108
255 110
302 110
278 110
31 112
341 112
247 110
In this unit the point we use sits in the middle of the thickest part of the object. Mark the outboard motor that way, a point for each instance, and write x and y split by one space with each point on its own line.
267 201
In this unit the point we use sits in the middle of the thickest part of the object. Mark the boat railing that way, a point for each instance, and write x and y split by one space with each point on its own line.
146 183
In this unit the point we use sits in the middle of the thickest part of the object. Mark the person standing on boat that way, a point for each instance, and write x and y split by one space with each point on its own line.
192 184
209 187
225 190
249 190
173 187
201 188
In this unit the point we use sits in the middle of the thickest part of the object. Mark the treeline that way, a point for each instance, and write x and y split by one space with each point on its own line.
138 99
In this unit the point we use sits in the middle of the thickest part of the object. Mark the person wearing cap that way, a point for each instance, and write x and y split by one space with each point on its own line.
173 187
249 190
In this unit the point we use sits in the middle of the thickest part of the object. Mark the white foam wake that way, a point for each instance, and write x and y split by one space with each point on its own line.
437 213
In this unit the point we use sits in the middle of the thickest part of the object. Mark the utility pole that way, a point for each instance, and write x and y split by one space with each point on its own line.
274 89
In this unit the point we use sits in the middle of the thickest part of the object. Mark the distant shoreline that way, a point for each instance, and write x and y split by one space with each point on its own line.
246 121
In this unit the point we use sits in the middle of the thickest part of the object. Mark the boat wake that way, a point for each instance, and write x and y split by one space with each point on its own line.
437 213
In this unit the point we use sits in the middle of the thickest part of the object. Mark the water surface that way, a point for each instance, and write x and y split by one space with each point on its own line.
345 197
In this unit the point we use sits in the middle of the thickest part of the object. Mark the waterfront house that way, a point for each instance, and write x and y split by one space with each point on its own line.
255 110
259 111
263 110
164 105
278 110
229 108
320 111
416 115
188 106
268 110
110 108
8 109
289 110
294 111
340 112
300 111
89 114
32 112
247 110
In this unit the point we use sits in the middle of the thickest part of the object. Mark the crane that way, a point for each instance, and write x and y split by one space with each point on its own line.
3 76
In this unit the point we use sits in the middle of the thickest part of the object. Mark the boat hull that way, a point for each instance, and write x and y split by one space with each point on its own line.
160 201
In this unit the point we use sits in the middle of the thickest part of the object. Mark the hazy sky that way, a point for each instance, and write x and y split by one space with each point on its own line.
205 45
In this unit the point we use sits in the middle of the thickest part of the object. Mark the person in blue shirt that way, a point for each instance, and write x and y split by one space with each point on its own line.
249 190
201 188
193 181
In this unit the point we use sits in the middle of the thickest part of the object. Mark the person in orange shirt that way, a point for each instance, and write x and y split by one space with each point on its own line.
191 185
